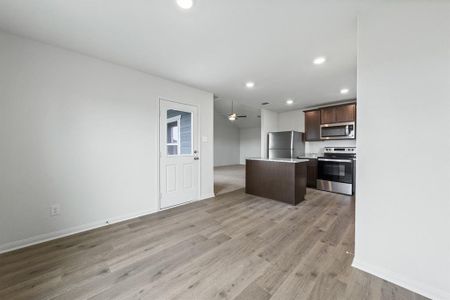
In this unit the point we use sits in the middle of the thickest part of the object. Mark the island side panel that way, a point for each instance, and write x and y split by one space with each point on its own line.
301 180
273 180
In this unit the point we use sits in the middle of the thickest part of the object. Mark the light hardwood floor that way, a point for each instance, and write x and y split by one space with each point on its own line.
234 246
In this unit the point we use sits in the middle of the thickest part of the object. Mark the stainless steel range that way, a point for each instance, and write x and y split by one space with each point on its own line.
336 170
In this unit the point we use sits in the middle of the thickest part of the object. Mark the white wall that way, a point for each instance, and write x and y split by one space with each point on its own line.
269 123
226 141
250 143
403 202
291 120
83 133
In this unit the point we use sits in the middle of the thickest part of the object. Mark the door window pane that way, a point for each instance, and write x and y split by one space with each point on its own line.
179 132
172 132
172 149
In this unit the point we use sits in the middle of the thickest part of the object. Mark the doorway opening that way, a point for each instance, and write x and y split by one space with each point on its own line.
237 136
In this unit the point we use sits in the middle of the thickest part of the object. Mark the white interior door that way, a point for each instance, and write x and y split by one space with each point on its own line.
179 160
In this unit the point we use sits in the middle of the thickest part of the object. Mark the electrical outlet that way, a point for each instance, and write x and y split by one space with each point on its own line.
55 210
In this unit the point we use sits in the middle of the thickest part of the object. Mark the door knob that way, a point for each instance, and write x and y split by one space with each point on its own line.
196 158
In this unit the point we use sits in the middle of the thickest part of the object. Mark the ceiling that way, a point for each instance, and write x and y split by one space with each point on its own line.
216 46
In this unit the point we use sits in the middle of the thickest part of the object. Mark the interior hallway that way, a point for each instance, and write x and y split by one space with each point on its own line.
228 179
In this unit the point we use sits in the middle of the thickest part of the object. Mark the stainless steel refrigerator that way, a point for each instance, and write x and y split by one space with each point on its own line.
285 144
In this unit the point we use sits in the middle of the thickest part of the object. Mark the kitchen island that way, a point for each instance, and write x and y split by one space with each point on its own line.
281 179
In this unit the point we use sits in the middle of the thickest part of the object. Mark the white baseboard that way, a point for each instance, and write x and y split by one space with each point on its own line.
407 283
74 230
204 197
66 232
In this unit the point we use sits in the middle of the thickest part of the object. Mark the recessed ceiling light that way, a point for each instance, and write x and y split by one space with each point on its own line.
250 84
185 4
289 101
319 60
344 91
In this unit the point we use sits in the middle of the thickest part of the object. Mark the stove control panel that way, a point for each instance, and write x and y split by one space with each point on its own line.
343 150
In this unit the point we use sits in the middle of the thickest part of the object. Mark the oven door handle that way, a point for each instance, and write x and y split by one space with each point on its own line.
335 160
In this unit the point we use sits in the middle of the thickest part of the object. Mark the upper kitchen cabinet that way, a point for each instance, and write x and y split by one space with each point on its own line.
328 115
342 113
345 113
312 125
338 114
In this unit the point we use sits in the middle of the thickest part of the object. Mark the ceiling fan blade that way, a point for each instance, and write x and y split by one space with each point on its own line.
242 116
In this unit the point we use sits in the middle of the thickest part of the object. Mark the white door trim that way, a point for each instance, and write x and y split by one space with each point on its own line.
158 158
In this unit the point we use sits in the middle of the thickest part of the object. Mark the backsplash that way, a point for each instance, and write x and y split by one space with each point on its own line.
317 147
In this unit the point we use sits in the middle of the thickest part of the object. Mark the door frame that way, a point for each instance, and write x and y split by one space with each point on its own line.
158 154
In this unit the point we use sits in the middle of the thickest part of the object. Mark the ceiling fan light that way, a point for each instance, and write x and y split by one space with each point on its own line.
232 117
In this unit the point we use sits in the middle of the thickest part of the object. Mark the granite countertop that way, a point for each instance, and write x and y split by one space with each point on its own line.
285 160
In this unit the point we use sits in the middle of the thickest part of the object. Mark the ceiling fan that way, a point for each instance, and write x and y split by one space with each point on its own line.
233 116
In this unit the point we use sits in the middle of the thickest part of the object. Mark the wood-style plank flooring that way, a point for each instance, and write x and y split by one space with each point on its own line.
234 246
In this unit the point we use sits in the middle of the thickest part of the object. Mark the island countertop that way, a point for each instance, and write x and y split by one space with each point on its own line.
284 160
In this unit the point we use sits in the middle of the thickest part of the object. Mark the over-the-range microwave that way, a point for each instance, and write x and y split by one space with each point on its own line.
337 131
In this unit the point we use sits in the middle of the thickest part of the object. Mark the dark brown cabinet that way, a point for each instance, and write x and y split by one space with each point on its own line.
312 125
345 113
327 115
338 114
311 174
277 180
